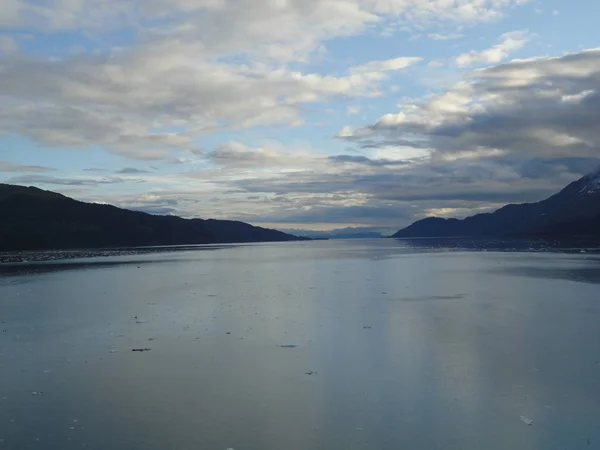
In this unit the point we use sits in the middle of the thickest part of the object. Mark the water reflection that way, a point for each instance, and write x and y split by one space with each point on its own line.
43 263
394 348
582 268
580 274
369 248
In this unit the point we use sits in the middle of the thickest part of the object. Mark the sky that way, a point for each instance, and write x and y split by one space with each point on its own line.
300 114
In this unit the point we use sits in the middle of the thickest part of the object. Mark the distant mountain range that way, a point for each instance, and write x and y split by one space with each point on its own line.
574 211
34 219
340 233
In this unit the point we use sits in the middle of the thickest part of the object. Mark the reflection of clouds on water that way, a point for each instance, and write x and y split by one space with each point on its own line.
417 350
431 297
580 274
580 268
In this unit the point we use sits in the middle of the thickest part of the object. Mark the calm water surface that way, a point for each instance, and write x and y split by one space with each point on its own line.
349 345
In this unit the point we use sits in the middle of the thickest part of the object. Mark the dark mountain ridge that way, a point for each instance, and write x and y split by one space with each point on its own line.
35 219
579 201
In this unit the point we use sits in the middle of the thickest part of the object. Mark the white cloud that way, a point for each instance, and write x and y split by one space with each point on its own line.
349 133
94 14
535 108
345 132
387 65
444 37
117 103
508 43
464 11
195 67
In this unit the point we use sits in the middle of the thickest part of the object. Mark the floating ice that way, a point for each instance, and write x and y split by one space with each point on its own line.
526 420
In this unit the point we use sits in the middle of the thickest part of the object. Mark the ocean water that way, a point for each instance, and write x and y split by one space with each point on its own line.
350 345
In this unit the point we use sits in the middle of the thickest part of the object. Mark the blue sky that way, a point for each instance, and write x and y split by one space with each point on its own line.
300 113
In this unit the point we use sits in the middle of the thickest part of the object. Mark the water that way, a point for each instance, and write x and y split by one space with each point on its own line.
315 345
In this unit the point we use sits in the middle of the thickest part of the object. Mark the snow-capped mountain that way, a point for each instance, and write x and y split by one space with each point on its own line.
579 201
592 183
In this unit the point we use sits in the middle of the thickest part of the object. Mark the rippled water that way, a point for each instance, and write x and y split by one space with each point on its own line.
311 345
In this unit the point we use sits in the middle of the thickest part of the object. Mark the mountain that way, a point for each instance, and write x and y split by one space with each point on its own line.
34 219
230 231
578 203
356 235
340 233
589 227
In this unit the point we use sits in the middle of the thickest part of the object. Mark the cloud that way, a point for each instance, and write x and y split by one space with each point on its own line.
234 155
8 45
10 167
393 196
508 43
337 233
528 109
168 199
513 132
275 183
265 17
193 67
481 180
342 215
350 134
130 170
510 133
386 65
160 210
54 121
357 159
84 102
272 160
444 37
60 181
270 184
152 204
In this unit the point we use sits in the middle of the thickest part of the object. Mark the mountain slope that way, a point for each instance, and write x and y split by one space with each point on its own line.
588 227
238 232
31 219
580 200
